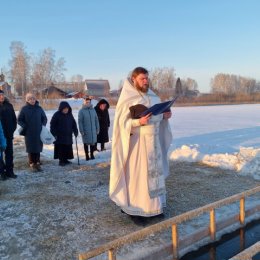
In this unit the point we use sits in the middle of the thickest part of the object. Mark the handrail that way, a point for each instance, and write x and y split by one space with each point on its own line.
111 247
248 253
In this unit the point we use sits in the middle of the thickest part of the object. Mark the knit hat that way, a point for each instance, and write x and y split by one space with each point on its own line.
1 92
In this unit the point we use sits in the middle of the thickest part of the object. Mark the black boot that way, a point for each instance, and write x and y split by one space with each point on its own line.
103 147
3 176
10 174
62 163
86 151
92 149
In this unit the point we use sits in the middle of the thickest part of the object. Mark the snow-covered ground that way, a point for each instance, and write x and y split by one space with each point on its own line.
226 136
59 212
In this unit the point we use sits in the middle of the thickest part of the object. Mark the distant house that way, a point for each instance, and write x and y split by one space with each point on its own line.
75 94
70 86
5 86
52 92
191 93
97 88
115 93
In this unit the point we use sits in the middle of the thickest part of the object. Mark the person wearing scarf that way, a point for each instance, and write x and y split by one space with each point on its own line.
88 127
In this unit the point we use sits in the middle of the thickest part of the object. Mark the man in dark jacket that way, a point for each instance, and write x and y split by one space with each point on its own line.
9 123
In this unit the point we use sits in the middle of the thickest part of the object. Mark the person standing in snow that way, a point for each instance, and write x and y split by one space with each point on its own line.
9 124
31 118
62 126
104 123
2 148
139 163
88 127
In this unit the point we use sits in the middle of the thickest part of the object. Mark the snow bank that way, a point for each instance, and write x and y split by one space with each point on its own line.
245 162
219 136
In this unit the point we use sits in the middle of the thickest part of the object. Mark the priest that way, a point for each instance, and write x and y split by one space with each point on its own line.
139 162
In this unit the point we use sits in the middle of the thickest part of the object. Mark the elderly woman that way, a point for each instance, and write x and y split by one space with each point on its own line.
63 125
31 118
104 123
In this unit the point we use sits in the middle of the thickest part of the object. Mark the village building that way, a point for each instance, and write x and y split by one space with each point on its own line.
5 86
97 88
76 94
52 92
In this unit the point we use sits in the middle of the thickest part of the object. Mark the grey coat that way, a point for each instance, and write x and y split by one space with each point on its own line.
32 117
88 124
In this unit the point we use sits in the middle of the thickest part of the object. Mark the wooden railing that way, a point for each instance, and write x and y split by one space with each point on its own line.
172 223
248 253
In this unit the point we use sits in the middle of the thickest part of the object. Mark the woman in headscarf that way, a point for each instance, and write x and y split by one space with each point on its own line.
62 126
31 118
104 123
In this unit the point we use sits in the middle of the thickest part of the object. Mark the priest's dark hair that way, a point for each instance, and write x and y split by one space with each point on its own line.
137 71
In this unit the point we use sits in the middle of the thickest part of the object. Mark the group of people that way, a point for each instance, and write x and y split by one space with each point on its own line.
140 144
93 124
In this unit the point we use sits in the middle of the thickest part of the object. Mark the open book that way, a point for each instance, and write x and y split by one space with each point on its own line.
159 108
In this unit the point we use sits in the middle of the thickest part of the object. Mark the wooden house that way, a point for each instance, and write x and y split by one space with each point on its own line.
52 92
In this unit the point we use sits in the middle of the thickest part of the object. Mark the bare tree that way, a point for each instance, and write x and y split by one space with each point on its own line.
162 81
77 82
233 84
45 71
77 78
20 67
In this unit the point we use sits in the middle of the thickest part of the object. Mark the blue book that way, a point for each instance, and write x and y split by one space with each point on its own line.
159 108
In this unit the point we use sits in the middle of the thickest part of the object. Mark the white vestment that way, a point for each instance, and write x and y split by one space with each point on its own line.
139 163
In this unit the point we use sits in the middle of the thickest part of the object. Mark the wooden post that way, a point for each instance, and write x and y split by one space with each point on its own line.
212 225
242 211
175 242
112 254
242 239
212 253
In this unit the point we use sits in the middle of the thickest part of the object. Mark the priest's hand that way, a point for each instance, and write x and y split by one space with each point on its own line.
145 119
167 115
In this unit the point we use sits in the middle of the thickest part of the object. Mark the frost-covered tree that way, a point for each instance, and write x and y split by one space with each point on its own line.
233 84
19 67
163 81
46 70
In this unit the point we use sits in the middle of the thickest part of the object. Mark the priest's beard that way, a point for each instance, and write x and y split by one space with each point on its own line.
143 89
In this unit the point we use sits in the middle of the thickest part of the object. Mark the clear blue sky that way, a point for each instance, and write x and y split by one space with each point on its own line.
108 38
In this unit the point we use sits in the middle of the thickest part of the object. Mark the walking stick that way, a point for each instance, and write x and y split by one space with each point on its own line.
77 148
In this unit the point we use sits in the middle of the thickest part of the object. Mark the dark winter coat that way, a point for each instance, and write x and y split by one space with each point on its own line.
62 125
104 122
88 124
8 118
32 117
2 141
